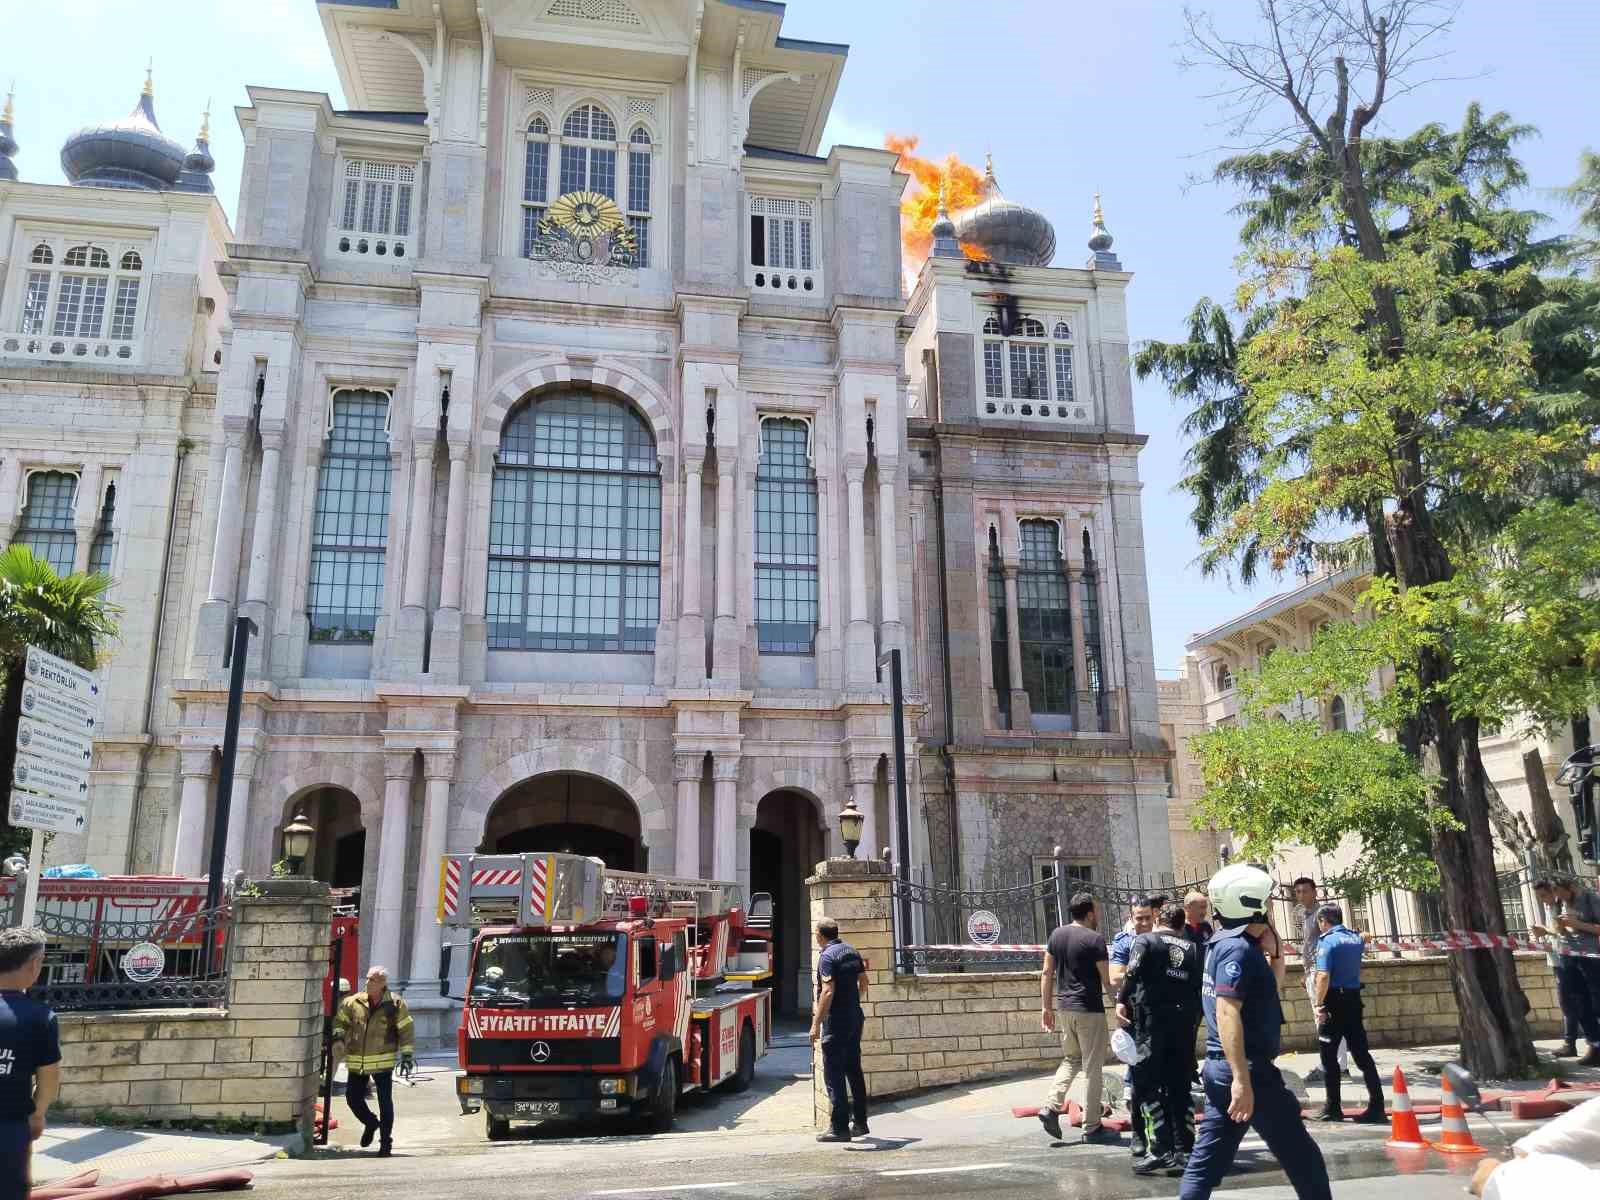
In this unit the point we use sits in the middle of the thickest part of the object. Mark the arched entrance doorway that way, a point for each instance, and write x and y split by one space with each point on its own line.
339 847
568 813
786 843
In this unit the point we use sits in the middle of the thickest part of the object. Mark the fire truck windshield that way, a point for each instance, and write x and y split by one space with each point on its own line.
548 970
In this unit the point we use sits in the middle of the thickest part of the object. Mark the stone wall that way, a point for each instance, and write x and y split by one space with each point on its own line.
929 1030
256 1059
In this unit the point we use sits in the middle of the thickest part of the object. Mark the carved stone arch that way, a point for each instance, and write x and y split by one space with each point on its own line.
810 781
552 370
314 775
472 816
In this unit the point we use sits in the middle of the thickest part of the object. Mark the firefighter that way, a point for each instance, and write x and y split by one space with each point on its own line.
1158 1001
372 1031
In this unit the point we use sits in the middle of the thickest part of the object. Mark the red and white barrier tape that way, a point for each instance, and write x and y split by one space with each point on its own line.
1455 940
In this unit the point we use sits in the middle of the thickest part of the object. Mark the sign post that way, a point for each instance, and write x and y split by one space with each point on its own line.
55 749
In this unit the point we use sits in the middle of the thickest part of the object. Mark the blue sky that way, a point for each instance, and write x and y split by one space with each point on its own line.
1071 98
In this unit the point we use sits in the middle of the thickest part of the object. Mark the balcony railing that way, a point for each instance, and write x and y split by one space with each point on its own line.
46 348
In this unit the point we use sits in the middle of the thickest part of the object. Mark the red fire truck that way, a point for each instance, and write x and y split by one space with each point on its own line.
593 992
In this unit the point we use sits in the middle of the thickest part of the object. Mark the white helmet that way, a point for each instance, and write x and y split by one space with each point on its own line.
1240 893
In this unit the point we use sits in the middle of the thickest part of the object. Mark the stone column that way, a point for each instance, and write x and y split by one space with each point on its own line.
85 515
725 630
263 571
1021 711
691 670
10 497
860 661
189 847
1085 717
438 767
687 770
412 623
235 856
864 791
389 892
444 660
725 817
230 519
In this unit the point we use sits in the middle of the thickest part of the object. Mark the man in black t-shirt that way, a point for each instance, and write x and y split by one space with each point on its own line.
1072 989
30 1058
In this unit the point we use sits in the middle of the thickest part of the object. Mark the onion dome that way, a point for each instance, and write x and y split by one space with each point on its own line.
197 167
130 153
8 144
1100 241
944 232
1005 232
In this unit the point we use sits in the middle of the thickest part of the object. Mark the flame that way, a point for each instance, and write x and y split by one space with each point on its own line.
964 187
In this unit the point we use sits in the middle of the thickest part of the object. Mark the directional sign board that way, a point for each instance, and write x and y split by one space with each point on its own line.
48 778
42 813
62 710
55 746
63 676
70 749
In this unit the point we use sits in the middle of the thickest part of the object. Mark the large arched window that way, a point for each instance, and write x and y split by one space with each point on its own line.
350 530
1044 620
104 544
589 152
1338 720
1093 647
786 540
639 191
535 182
70 299
999 648
1028 369
46 524
575 528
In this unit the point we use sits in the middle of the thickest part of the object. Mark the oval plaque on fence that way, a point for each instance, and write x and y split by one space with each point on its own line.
983 927
143 962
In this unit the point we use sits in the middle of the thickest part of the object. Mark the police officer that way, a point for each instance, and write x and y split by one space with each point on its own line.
1243 1088
1338 1013
1141 920
30 1057
1160 995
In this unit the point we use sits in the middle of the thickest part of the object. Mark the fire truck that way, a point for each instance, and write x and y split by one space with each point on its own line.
600 993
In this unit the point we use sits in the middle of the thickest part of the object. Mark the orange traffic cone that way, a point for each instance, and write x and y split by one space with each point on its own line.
1404 1132
1455 1137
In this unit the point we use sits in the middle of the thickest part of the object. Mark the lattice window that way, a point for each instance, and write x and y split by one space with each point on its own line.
350 528
787 602
575 529
535 182
1044 623
781 234
70 300
642 106
377 198
604 12
1033 362
104 544
588 152
46 525
539 97
639 166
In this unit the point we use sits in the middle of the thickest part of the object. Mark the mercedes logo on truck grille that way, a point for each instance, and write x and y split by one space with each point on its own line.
540 1052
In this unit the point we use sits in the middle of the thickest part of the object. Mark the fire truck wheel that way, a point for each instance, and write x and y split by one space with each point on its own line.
664 1104
498 1128
744 1075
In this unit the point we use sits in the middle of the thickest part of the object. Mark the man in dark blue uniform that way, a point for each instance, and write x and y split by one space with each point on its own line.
1160 995
836 1022
1243 1018
30 1058
1338 1013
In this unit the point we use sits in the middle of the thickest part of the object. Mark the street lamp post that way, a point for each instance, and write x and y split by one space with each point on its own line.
902 806
851 819
297 835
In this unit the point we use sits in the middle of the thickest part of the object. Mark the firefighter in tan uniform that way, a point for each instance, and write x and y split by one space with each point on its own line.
372 1033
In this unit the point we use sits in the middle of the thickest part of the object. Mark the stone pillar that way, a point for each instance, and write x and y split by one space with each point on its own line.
1021 711
725 630
263 572
1085 715
855 893
444 659
10 497
236 857
687 771
189 847
438 767
864 791
389 892
860 660
725 817
230 518
691 670
85 515
412 623
891 632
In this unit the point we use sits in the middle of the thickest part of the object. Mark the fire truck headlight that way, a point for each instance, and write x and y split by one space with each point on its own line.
613 1087
469 1085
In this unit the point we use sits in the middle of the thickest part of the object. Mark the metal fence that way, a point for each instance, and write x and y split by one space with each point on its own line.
97 965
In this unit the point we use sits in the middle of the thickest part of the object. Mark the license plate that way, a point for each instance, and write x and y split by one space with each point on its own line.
537 1108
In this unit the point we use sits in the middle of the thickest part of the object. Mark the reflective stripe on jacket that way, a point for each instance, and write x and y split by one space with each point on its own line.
373 1039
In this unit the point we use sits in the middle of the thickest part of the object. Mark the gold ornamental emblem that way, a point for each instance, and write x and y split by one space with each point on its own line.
586 214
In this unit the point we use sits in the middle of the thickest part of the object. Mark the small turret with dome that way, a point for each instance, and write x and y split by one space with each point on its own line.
1004 232
197 167
130 153
8 143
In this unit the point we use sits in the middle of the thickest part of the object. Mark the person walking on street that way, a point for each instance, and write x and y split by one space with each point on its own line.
1577 923
1305 895
836 1022
1160 996
1338 1013
373 1033
30 1058
1141 920
1244 1089
1072 987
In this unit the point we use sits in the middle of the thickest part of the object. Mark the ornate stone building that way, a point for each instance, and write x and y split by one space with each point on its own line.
576 457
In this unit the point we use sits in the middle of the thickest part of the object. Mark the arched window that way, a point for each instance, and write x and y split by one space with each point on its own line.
535 182
575 528
1044 622
1031 363
1338 721
589 152
639 150
132 262
1093 648
999 645
46 524
786 540
42 254
1224 677
350 528
104 544
80 288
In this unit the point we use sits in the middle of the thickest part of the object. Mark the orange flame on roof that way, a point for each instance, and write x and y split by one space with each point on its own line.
919 208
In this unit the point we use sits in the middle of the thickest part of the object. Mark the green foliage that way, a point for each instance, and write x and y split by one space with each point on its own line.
1278 784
